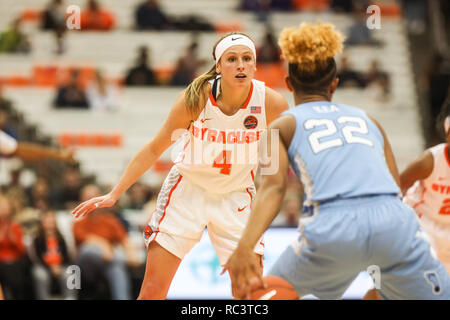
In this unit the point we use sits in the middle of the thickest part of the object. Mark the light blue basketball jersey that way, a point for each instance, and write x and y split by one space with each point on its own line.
338 152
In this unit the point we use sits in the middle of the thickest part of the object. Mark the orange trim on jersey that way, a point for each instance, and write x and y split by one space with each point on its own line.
251 197
253 175
262 255
184 152
422 201
168 201
214 102
446 154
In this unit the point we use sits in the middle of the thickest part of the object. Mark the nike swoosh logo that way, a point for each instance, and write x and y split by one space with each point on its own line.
442 178
240 209
268 295
232 39
203 120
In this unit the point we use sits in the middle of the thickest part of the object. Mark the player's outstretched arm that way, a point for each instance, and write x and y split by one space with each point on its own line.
179 118
419 169
33 151
388 154
241 267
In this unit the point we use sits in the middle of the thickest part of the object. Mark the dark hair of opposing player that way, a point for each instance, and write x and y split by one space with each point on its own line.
444 113
313 83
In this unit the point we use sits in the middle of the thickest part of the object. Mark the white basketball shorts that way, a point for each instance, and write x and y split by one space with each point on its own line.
183 210
439 239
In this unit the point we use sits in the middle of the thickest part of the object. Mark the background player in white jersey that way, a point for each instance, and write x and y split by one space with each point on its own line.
426 186
211 183
352 216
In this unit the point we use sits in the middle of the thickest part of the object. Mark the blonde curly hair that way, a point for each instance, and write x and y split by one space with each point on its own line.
310 50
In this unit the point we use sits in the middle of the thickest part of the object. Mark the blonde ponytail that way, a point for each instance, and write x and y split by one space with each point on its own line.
195 90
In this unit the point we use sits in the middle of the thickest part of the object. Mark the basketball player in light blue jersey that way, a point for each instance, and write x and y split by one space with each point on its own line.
353 218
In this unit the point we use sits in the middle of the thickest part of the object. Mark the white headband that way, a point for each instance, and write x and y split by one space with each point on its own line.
447 124
234 40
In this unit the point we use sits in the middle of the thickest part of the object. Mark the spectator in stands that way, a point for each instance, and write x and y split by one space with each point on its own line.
138 196
101 95
13 264
191 22
5 104
60 45
181 76
283 5
96 18
290 212
339 6
54 16
97 237
54 19
5 125
379 78
268 51
71 95
260 7
52 259
358 33
13 40
415 15
150 16
69 193
141 74
347 76
187 65
39 194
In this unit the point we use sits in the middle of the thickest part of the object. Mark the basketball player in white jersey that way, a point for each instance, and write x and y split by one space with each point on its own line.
211 184
426 185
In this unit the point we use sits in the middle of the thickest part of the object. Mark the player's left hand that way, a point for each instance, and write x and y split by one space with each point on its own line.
244 273
95 203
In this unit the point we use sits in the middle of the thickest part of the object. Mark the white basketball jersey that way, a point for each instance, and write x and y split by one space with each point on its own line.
220 152
431 197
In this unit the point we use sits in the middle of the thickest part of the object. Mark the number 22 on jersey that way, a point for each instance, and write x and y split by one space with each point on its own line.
352 125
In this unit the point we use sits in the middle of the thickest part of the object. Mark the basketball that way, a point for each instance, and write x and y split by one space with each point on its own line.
277 289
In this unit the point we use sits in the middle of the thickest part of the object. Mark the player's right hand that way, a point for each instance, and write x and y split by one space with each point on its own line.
92 204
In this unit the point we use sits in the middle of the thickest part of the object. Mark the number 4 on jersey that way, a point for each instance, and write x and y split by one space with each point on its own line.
223 162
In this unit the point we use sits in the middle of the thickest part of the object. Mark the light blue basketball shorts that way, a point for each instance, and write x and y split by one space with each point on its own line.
348 236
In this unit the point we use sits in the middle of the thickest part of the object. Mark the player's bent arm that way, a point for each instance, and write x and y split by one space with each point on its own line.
388 154
275 105
419 169
272 188
178 118
269 198
241 267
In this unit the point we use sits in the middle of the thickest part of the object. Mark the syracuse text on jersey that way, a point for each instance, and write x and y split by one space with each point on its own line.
206 145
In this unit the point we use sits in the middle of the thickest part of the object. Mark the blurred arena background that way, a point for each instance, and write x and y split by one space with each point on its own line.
104 90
